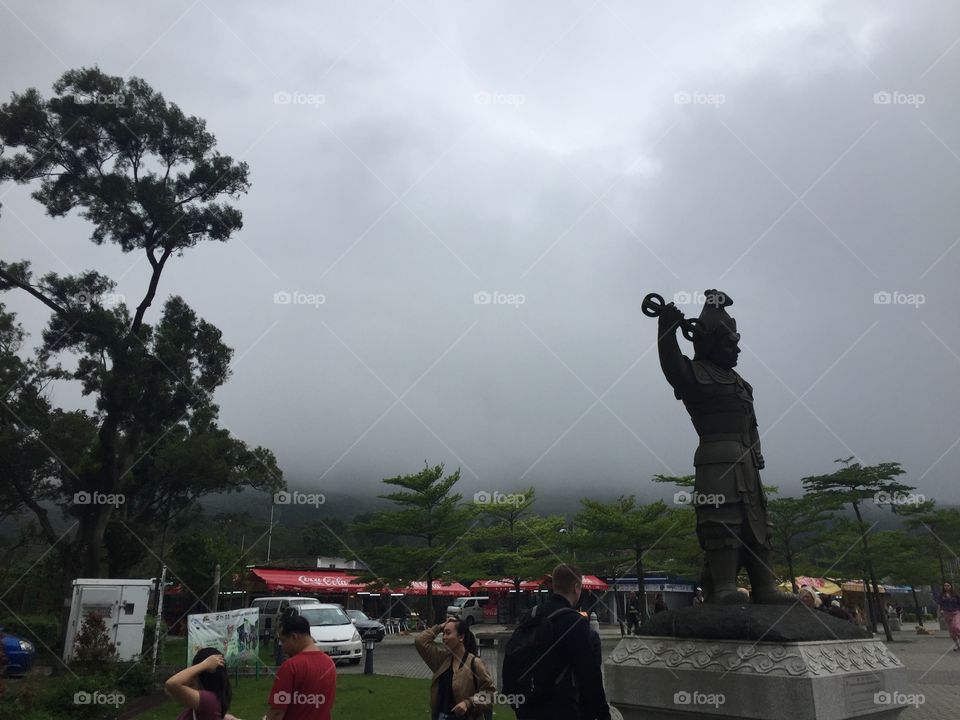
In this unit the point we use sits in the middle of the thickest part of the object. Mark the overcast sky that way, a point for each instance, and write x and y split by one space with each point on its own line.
565 159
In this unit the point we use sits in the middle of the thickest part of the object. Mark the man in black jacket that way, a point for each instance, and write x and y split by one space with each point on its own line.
576 655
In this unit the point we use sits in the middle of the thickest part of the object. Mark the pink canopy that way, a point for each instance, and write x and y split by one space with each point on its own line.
491 585
419 587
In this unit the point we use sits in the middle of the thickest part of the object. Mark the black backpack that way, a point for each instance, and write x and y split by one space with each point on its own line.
531 666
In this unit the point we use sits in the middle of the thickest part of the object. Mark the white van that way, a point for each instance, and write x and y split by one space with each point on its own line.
468 608
271 609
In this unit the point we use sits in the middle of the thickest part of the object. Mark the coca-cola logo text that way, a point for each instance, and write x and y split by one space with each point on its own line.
326 580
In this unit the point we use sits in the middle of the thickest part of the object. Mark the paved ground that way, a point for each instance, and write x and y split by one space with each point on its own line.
933 669
933 672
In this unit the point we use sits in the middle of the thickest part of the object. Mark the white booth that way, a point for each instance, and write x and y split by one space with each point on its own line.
121 603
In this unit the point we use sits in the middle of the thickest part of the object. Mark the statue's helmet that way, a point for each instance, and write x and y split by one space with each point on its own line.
714 322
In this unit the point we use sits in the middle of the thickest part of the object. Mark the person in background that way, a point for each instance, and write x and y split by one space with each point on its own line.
698 597
203 688
950 607
633 613
835 609
809 598
659 604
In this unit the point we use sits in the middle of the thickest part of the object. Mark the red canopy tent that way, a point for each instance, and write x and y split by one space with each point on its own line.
491 585
307 581
590 582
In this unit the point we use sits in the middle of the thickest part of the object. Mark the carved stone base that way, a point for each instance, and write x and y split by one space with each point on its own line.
659 678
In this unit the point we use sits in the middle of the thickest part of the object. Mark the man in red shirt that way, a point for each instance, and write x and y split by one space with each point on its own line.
306 683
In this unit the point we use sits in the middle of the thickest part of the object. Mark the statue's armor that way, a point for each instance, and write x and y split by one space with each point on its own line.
728 460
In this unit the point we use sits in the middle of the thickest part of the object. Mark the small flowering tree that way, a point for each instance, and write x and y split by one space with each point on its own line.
92 645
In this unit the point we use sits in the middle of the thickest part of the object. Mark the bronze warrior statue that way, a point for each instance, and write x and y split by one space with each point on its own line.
731 507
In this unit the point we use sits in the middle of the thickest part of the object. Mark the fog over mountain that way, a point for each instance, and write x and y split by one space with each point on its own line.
457 209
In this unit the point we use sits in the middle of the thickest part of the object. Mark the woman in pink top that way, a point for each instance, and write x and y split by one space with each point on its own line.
949 604
203 688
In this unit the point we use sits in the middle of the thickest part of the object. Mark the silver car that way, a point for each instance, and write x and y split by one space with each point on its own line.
333 632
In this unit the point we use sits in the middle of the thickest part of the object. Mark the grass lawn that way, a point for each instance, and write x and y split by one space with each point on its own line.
359 697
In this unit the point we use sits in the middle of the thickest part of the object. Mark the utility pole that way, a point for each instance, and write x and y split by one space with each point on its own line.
158 625
270 532
215 595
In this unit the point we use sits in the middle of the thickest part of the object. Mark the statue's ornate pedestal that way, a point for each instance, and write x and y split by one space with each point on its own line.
655 677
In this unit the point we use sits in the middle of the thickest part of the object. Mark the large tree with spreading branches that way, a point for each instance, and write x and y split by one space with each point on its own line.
149 179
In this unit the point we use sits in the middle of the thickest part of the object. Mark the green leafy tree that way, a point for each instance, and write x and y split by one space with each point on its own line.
332 537
192 459
149 179
44 454
681 481
840 552
936 532
513 543
855 484
426 526
196 556
900 558
625 525
798 526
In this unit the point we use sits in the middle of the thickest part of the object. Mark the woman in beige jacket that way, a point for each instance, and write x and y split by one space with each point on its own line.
461 686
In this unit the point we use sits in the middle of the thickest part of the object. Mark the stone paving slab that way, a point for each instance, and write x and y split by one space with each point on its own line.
933 672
